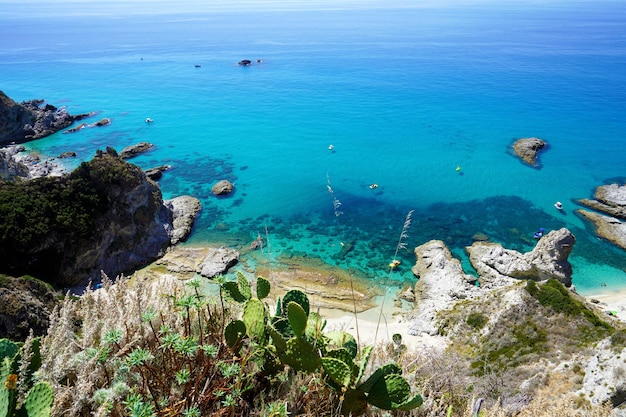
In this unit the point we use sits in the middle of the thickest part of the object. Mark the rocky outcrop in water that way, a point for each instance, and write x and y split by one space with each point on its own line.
184 210
526 149
496 265
30 120
222 187
134 150
610 202
104 216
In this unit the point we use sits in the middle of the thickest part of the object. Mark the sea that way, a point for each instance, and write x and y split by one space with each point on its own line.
360 129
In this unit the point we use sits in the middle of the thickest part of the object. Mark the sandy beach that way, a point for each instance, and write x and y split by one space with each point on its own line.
611 301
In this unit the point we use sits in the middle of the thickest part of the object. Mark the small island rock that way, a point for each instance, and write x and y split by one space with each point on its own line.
527 148
134 150
222 187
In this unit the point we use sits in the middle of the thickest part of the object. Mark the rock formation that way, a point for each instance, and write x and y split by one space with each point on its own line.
10 168
222 187
184 210
441 283
610 201
25 305
29 120
134 150
496 265
104 216
526 149
217 261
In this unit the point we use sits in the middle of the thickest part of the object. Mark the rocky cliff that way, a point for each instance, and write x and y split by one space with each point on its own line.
610 212
104 216
30 120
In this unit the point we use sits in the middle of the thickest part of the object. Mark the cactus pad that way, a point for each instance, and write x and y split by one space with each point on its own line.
297 318
39 400
231 289
279 341
301 355
343 339
338 370
234 332
244 285
8 348
298 297
262 288
390 392
254 319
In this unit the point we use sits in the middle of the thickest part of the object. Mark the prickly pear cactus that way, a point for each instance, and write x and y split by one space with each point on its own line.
297 297
231 289
39 400
393 392
254 317
233 333
297 318
337 370
8 348
244 285
301 355
262 288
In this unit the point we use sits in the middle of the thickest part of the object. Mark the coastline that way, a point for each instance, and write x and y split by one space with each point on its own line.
611 301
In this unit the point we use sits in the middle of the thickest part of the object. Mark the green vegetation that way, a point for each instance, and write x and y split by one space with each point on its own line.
185 353
41 217
21 395
477 320
554 295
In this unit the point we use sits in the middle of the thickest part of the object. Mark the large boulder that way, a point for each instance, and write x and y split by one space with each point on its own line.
526 149
184 210
29 120
442 282
25 306
496 266
218 261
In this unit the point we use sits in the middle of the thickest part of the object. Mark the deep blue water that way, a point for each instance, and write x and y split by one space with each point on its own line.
405 94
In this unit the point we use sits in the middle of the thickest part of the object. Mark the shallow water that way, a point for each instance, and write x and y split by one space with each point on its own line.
404 94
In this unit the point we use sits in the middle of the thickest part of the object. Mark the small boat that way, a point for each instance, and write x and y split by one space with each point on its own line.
197 65
245 62
558 205
149 120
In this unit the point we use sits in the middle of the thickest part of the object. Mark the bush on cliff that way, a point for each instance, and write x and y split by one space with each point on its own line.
45 221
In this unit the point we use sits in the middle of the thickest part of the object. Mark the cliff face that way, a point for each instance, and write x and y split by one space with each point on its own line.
104 216
22 122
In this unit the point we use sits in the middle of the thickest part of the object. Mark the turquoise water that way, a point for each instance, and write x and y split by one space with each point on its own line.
405 95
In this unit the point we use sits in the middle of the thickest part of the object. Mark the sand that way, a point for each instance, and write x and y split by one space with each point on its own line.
611 301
